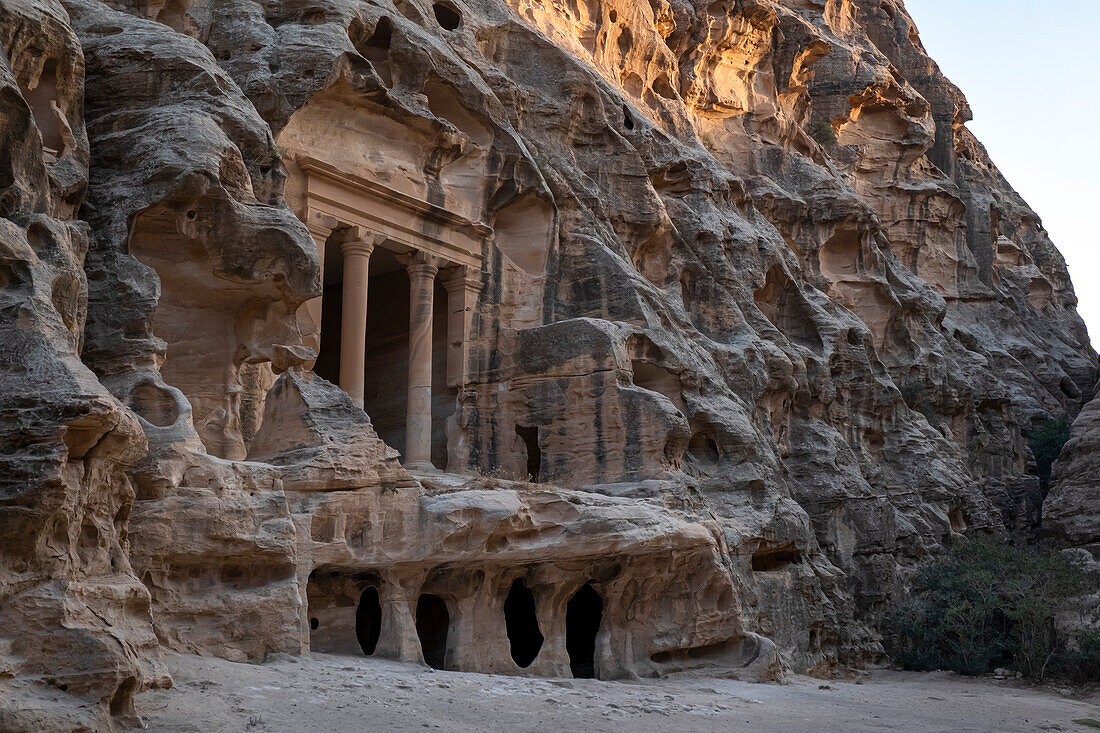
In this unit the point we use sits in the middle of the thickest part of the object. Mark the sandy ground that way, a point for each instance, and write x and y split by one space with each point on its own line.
330 694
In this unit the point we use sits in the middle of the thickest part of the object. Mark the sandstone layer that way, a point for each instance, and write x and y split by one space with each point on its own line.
715 315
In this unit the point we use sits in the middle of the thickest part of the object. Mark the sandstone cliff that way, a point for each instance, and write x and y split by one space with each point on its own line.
747 324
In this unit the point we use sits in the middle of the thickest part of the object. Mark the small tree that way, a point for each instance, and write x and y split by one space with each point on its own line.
822 132
1046 444
986 604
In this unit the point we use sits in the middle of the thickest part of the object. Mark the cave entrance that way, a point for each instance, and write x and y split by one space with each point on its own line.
368 620
432 622
522 624
530 438
583 615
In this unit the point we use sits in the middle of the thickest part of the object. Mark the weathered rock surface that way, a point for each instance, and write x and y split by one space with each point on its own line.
756 373
1069 512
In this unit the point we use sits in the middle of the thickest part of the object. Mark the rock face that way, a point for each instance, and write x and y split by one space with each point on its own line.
1069 512
715 314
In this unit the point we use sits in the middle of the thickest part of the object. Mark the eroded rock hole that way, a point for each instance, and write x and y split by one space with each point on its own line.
583 615
782 302
154 404
122 702
770 560
663 86
375 49
704 450
447 16
628 121
957 518
175 15
522 623
314 623
432 621
41 98
625 41
368 620
530 438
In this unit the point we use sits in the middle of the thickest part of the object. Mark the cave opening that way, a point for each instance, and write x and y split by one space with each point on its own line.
768 560
583 615
522 623
447 16
432 622
368 620
530 438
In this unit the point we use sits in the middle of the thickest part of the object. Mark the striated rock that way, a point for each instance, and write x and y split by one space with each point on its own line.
1069 511
695 326
76 638
322 442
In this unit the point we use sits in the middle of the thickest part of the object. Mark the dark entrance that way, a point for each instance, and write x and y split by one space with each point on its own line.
582 621
530 438
522 623
368 620
432 620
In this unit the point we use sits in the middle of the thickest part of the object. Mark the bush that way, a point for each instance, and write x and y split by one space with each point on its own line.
1046 443
822 132
1082 663
987 604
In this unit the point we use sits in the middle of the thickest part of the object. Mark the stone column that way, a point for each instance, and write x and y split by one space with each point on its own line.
353 324
422 269
463 286
320 226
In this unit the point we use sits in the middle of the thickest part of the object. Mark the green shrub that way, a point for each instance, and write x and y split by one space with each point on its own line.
1082 663
822 132
1046 443
986 604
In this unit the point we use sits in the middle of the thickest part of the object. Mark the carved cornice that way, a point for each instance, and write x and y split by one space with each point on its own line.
373 189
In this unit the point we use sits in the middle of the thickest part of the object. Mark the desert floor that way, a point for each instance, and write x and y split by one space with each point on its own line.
330 694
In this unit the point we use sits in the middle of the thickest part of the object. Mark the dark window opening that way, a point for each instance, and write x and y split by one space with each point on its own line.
314 623
368 620
432 621
583 615
447 16
530 438
522 623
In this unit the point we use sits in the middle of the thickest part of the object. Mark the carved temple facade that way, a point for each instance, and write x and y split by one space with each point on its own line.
369 235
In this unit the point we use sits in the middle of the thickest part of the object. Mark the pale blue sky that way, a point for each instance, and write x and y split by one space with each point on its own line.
1029 69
